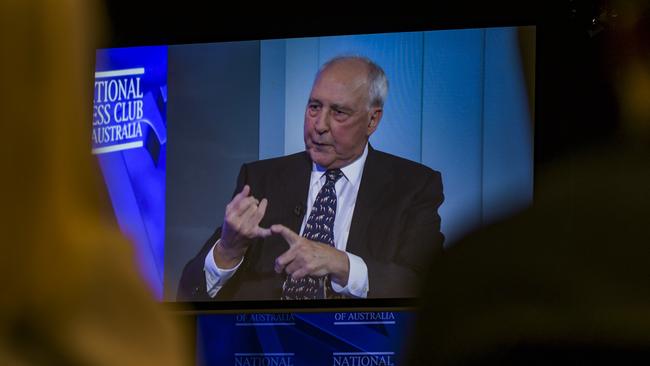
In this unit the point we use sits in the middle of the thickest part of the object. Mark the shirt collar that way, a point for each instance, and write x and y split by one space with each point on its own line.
352 172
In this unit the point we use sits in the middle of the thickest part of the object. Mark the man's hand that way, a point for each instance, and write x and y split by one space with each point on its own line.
309 258
240 227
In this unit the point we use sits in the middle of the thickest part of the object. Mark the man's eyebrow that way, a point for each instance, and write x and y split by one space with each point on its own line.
338 107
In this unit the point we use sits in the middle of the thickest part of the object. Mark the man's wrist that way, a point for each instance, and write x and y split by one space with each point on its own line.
341 271
226 257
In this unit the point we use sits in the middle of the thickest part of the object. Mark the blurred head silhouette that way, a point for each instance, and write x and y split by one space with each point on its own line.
71 292
628 46
564 282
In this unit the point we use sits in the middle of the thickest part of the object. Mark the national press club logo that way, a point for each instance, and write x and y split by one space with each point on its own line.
129 101
118 111
362 338
265 358
364 319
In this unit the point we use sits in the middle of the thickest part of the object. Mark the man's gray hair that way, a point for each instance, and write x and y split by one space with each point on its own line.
378 83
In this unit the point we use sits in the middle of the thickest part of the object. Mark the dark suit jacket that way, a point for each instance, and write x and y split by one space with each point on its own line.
395 226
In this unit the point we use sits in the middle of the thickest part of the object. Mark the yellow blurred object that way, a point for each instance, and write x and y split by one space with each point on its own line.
71 292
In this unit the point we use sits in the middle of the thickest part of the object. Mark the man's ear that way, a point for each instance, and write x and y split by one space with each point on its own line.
375 117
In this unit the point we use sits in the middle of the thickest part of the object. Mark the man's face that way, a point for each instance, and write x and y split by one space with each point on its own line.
338 119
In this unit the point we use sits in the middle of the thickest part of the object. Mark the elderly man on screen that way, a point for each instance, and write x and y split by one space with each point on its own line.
357 221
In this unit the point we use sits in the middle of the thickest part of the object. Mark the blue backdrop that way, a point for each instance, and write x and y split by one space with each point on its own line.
133 164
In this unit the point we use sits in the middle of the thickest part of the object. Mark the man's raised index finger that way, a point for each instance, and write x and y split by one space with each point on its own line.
286 233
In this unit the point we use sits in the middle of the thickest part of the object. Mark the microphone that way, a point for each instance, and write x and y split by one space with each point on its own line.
299 210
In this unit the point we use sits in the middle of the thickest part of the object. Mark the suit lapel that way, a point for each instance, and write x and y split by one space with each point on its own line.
374 183
296 189
291 181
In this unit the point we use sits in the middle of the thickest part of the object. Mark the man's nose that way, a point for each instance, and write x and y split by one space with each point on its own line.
322 123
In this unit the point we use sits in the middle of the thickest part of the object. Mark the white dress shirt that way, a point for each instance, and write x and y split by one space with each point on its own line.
347 189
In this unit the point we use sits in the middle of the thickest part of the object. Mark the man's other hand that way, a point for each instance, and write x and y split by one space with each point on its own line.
309 258
240 226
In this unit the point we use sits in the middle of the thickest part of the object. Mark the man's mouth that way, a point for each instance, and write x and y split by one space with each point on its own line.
318 144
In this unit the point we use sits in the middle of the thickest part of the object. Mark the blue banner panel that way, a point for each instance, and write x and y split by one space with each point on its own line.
129 139
332 338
